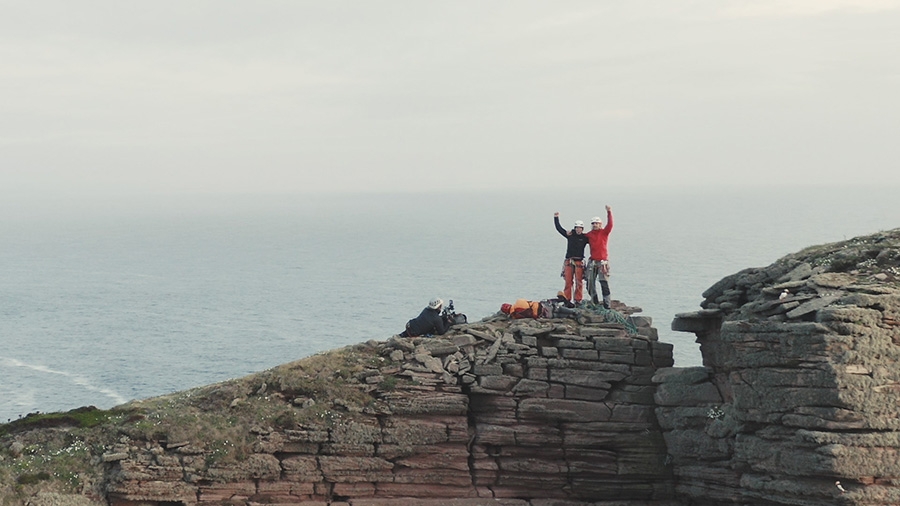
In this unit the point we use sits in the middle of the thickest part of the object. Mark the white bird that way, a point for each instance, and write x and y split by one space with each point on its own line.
784 294
838 485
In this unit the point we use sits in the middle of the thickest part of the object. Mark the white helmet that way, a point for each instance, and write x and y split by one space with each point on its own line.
579 223
435 303
596 219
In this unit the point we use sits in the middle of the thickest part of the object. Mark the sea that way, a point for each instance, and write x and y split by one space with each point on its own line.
108 299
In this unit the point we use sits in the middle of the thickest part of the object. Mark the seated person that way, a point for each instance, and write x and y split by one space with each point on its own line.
429 321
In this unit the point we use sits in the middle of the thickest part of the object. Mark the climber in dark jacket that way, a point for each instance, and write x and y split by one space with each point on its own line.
429 321
573 267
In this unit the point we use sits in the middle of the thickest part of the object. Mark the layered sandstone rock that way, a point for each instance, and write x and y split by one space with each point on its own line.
517 412
799 402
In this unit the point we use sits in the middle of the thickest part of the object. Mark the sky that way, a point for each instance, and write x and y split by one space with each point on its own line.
221 97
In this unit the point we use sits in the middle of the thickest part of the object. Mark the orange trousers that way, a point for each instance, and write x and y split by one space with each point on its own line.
573 274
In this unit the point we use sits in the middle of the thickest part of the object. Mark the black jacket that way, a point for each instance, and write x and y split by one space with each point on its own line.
575 248
429 321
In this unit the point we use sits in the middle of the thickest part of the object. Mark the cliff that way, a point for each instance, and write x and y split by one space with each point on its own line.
800 396
496 412
797 404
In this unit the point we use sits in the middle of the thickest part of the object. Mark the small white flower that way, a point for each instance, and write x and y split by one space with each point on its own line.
715 413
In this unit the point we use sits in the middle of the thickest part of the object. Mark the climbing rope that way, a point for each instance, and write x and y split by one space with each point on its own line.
611 316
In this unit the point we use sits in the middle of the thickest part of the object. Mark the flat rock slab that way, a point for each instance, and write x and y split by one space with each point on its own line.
813 306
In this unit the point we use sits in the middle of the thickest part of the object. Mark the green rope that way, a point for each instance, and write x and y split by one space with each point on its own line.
611 316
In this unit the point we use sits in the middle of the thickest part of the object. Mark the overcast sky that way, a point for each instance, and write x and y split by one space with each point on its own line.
294 96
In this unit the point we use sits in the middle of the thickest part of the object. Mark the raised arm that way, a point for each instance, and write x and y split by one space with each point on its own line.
559 227
609 219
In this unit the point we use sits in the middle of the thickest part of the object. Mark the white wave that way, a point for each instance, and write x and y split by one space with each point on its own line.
74 378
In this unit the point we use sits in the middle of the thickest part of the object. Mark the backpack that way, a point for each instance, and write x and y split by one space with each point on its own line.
546 309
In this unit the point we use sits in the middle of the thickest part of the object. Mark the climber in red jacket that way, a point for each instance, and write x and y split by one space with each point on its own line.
598 264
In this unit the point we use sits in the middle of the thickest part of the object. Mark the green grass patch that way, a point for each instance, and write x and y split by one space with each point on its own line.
389 383
31 479
84 417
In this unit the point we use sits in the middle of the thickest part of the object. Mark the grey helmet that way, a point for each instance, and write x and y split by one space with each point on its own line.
435 303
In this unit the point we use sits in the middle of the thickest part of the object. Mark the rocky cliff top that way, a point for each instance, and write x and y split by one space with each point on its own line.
362 421
794 287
